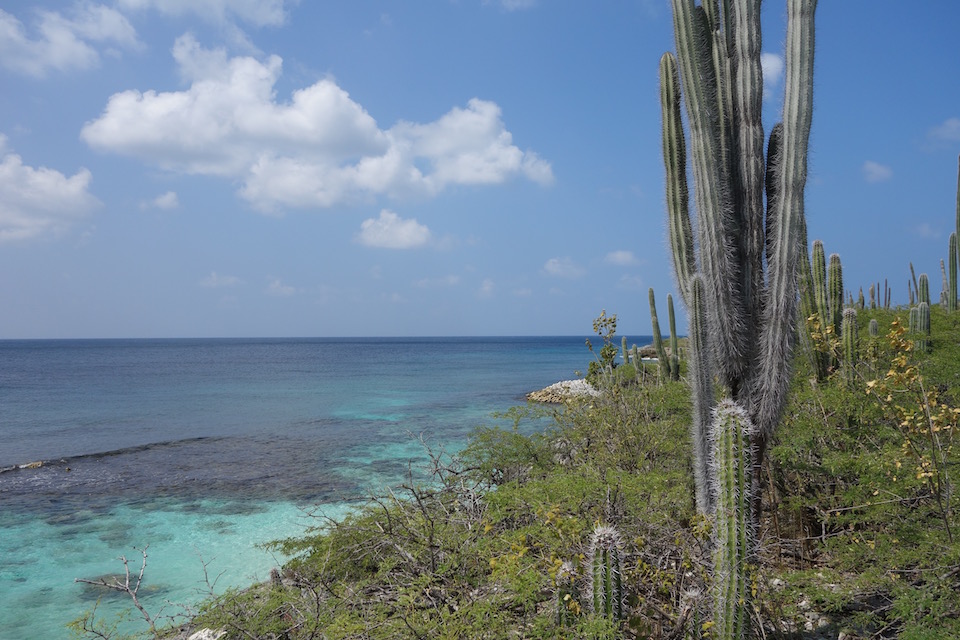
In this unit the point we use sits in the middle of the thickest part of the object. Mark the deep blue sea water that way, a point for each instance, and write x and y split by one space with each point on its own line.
205 448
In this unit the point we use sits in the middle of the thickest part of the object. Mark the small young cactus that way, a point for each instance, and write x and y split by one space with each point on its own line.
733 488
873 328
605 567
568 596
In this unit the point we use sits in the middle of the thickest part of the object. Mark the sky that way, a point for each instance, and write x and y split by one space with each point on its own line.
255 168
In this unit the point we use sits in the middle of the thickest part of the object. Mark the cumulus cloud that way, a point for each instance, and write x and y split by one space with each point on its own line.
319 149
876 172
446 281
515 5
167 201
621 258
772 67
277 288
487 288
216 281
927 231
390 231
37 202
562 268
258 13
947 131
63 42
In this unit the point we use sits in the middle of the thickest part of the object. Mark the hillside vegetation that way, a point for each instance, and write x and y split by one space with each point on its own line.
857 537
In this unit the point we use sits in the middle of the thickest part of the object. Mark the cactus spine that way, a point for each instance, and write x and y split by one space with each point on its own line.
849 337
733 532
605 564
674 344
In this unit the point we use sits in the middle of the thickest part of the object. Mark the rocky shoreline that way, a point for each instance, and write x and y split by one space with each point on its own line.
560 392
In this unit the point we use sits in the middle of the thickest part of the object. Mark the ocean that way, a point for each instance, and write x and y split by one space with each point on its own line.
202 449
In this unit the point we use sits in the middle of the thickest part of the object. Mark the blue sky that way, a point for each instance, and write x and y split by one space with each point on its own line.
442 167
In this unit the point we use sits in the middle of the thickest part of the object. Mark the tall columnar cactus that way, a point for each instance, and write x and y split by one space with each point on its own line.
624 353
605 566
850 347
821 297
700 374
923 289
873 296
674 342
873 328
749 202
914 322
751 235
835 286
913 277
923 327
734 488
952 277
815 309
663 365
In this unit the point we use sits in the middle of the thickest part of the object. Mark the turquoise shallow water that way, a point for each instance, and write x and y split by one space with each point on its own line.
204 449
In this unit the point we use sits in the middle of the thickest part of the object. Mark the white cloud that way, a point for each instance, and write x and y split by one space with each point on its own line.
947 131
562 268
514 5
259 13
319 149
167 201
487 288
36 202
634 283
277 288
215 281
63 43
772 66
446 281
390 231
925 230
876 172
621 258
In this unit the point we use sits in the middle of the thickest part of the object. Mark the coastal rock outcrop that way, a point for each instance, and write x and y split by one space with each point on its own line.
562 391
